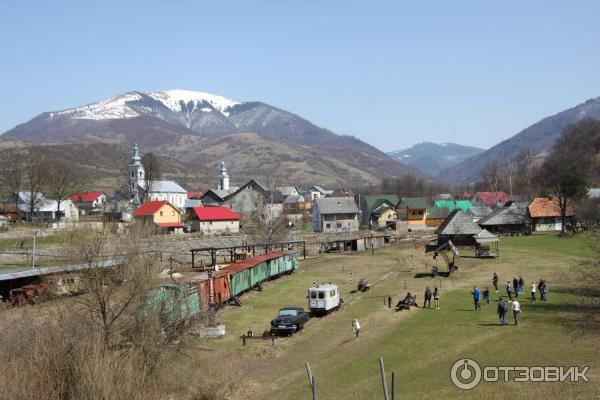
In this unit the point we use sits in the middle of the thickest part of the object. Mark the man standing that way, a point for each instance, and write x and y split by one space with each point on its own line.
521 284
509 290
486 295
516 309
515 283
502 311
495 282
533 289
356 327
427 297
476 296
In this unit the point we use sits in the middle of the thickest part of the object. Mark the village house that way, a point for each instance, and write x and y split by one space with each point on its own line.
335 214
118 210
287 191
89 202
296 208
214 220
159 215
317 192
436 216
545 215
379 210
490 199
48 210
413 210
9 212
255 196
214 197
511 219
479 212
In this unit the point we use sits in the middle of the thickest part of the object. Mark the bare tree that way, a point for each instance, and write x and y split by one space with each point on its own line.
35 177
527 170
509 174
112 290
12 172
152 171
563 180
62 181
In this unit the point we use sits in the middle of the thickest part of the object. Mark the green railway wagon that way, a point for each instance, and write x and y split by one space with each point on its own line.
259 273
240 282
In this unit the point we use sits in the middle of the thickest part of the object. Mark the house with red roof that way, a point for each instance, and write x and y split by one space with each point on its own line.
490 199
160 214
89 202
214 220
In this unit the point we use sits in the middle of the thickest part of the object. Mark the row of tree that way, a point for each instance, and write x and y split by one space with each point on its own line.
33 174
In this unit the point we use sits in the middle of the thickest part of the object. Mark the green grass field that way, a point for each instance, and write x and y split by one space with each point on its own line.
420 345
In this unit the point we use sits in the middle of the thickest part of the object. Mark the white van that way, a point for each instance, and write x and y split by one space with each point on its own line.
324 298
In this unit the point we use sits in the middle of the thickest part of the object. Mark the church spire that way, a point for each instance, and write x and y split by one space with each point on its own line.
223 179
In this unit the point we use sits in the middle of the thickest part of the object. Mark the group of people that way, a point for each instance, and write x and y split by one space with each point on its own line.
429 295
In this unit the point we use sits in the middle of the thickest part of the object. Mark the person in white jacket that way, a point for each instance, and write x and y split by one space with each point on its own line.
356 327
533 289
516 309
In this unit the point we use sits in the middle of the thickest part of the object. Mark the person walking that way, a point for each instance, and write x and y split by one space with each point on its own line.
436 298
502 311
515 283
509 290
495 282
486 295
533 289
476 296
516 309
427 297
356 327
521 284
544 290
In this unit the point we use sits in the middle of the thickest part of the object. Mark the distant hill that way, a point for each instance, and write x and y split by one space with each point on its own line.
201 129
432 158
104 166
539 137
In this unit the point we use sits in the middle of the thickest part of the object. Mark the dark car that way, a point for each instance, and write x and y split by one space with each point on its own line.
289 320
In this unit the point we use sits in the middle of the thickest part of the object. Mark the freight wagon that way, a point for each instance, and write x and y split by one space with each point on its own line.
231 281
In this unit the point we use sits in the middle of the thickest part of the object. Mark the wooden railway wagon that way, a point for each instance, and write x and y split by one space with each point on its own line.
237 278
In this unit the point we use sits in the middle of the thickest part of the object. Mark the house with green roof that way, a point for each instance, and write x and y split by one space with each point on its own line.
452 205
379 210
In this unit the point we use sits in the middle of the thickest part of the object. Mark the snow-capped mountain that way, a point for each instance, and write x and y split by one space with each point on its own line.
202 127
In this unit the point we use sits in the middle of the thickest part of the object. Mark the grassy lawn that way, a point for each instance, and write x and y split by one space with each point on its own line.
420 345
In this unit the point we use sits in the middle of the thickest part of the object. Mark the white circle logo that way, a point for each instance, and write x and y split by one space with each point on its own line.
465 374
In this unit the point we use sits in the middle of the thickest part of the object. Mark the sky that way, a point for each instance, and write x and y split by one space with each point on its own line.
391 73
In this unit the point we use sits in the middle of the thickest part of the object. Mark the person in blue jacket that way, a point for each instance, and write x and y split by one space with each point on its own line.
476 296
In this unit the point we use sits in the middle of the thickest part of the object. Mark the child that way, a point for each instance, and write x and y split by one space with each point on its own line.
436 298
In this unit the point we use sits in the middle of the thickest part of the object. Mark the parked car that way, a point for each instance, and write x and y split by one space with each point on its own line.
289 320
323 299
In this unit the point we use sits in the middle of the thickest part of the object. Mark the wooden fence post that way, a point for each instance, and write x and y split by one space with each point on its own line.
383 382
394 390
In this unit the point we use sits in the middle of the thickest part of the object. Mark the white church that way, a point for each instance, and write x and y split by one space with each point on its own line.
170 191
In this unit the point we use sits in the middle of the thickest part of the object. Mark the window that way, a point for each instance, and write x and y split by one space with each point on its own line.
313 295
413 213
331 293
321 295
338 225
328 226
161 213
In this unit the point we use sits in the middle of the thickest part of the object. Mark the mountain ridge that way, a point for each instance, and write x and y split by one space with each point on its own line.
187 126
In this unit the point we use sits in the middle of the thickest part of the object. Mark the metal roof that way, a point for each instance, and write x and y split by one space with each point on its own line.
336 205
41 271
458 223
166 186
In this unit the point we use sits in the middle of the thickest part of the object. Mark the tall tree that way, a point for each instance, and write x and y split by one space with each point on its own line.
527 169
35 177
564 174
62 180
12 172
152 171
